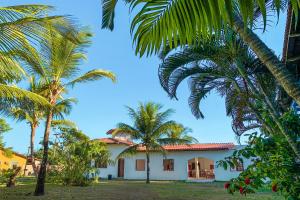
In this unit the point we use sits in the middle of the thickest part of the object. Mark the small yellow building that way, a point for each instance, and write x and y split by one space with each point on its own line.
12 161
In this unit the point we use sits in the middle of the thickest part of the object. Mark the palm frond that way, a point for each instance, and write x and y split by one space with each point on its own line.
164 128
12 92
126 129
108 13
92 76
130 151
64 123
184 21
63 107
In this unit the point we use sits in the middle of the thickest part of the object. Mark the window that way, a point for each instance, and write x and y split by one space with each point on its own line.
168 164
140 165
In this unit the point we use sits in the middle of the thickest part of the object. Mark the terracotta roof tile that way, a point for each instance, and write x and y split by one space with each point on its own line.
115 141
183 147
197 147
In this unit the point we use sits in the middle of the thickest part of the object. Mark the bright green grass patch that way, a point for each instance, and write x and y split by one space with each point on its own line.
132 190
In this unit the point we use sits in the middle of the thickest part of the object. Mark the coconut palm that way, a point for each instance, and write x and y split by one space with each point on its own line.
150 129
57 68
161 23
182 133
21 27
33 113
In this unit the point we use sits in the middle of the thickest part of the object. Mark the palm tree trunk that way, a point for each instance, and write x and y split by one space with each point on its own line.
40 185
286 79
273 112
32 136
148 166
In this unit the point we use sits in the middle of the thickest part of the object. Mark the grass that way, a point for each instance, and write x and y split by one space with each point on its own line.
132 190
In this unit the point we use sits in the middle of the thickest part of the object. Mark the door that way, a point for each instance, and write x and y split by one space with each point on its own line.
121 167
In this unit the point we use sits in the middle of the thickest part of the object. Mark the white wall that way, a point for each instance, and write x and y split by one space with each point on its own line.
180 165
115 150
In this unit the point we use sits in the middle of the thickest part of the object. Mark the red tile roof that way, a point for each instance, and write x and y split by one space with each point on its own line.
197 147
181 147
115 141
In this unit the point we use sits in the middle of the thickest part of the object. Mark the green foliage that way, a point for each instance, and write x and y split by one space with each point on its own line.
151 128
4 127
215 66
159 23
8 176
273 162
72 156
22 27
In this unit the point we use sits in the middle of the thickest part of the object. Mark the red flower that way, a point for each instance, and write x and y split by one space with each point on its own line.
241 190
247 181
226 185
274 187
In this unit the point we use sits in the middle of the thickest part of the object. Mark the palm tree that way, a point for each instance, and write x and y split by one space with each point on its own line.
33 113
21 27
151 130
161 23
57 68
182 133
229 67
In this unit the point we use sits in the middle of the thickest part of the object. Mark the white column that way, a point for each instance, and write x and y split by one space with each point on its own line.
197 168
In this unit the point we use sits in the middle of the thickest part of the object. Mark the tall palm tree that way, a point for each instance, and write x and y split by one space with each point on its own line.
21 27
33 113
58 67
159 23
229 67
150 129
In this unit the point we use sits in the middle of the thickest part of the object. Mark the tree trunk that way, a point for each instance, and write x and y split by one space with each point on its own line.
32 137
13 177
285 78
273 112
148 167
40 185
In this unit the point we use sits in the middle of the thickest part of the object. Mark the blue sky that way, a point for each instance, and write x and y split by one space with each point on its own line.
101 104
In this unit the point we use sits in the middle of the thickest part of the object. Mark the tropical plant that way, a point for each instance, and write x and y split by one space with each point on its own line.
4 127
182 133
273 163
33 113
9 176
56 68
72 156
232 69
161 23
150 129
22 26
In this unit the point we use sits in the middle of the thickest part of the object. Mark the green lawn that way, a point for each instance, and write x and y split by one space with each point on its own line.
133 190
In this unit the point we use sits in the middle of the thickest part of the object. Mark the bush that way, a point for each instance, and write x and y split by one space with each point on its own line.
274 164
71 160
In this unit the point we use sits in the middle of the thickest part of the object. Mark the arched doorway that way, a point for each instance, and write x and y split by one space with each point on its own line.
201 169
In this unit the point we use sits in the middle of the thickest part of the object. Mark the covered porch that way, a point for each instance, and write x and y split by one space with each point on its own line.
201 170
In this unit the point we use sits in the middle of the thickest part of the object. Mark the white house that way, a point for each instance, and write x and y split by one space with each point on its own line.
195 162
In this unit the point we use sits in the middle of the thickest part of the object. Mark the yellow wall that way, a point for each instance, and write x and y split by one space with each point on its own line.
7 162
